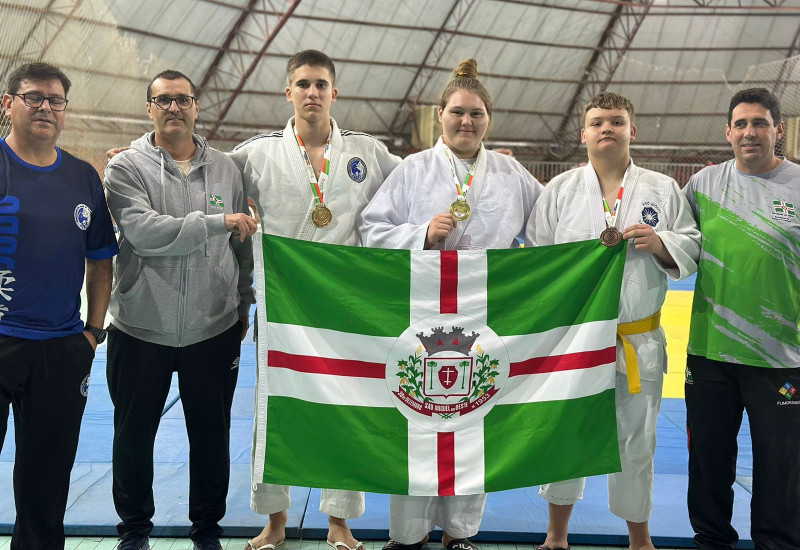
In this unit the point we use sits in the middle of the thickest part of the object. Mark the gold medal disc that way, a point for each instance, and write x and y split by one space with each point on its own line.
321 216
461 210
610 236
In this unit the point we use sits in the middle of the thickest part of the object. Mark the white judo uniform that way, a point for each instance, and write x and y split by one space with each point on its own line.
501 199
571 209
276 177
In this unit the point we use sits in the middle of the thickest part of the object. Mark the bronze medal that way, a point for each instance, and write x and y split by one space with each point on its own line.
321 216
460 210
610 236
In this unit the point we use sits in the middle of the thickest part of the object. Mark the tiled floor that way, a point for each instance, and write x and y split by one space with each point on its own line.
110 543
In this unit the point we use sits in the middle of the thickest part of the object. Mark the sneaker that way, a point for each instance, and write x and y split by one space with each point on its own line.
207 543
134 542
394 545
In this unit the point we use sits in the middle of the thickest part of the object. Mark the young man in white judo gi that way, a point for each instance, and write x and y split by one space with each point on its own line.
310 182
611 199
425 205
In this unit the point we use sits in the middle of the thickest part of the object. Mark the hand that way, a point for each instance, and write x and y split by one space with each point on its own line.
245 320
111 153
643 237
91 339
440 228
242 224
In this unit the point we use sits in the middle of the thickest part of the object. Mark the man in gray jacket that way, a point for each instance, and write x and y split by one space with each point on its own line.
181 300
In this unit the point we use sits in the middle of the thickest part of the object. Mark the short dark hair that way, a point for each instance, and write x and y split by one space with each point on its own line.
312 58
762 96
36 72
171 74
608 100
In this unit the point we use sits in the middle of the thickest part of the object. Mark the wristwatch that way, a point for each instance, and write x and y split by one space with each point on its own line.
98 333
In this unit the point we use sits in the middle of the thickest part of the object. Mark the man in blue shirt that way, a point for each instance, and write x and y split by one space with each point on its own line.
54 228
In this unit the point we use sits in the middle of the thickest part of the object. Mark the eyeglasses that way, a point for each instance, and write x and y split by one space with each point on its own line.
164 102
34 101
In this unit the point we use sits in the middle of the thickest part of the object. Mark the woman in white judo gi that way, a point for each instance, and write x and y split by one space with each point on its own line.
611 198
455 196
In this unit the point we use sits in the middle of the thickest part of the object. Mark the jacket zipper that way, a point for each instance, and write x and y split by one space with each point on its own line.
184 268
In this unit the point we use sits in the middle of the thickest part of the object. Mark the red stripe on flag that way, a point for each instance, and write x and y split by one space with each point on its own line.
448 289
571 361
446 460
325 365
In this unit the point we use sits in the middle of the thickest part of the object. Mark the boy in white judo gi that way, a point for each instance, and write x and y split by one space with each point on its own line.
609 199
309 182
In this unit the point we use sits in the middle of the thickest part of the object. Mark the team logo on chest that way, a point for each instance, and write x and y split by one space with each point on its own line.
783 211
446 380
356 169
216 200
83 216
651 213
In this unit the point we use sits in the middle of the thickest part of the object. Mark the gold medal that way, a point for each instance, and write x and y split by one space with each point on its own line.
460 210
321 216
610 236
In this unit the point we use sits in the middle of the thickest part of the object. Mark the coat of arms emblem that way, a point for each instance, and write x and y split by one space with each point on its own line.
449 377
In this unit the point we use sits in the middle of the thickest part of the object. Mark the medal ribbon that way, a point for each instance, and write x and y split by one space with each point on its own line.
461 188
611 215
317 186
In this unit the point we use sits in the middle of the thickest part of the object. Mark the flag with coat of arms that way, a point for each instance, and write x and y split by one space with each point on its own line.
435 372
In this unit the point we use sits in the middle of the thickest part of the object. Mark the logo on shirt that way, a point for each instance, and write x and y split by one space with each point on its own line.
783 211
215 200
651 213
9 206
85 386
83 216
357 169
788 391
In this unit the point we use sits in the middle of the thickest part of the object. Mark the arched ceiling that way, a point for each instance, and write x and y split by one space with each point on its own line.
677 60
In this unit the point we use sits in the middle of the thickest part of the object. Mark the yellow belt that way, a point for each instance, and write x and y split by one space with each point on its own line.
635 327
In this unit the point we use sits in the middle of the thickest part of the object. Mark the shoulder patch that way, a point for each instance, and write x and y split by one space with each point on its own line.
356 169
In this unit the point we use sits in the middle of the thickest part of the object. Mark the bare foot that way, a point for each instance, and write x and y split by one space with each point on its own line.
273 533
338 531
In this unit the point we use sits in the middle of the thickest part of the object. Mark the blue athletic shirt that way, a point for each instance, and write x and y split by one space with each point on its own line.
51 218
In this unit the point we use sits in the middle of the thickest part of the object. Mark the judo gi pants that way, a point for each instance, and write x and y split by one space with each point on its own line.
630 492
267 498
716 394
412 518
46 382
139 377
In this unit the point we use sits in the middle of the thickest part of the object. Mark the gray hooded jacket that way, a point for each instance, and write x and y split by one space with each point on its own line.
180 277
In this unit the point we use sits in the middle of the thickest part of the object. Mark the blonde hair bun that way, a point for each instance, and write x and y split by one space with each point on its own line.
467 69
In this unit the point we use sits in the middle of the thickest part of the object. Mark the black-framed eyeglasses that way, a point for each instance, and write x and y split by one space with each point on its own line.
34 101
164 102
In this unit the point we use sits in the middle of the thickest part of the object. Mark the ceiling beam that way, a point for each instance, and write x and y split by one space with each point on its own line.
268 39
615 41
224 49
788 66
13 58
451 23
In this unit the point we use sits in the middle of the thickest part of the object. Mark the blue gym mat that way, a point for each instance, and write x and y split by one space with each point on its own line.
511 516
